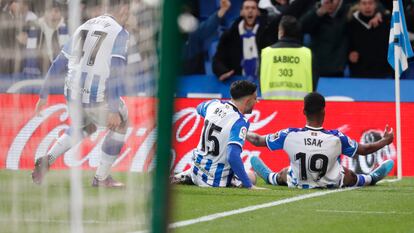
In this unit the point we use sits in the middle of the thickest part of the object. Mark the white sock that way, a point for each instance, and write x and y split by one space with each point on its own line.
363 180
273 178
104 167
62 144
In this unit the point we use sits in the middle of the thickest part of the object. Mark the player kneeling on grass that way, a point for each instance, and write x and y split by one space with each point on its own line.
94 60
314 153
217 161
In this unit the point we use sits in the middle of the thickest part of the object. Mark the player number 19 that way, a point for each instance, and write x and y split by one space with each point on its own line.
312 163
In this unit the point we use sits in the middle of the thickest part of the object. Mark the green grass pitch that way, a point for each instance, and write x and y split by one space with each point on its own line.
25 207
387 207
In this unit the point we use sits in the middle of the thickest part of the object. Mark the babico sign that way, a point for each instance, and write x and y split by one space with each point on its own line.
24 137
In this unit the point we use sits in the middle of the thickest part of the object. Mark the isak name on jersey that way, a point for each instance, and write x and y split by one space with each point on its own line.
313 142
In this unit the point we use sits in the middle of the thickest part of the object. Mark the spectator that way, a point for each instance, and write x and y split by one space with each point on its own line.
11 24
238 48
368 45
91 9
326 23
287 70
46 36
194 52
26 11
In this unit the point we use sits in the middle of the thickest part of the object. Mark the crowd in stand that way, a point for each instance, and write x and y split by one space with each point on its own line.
32 34
346 37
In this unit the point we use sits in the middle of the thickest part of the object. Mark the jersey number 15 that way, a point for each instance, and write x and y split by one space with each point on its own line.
207 134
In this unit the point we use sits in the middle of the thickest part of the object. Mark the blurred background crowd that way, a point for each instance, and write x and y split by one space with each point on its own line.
347 38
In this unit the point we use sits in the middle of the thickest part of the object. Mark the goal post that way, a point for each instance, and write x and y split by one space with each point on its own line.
169 69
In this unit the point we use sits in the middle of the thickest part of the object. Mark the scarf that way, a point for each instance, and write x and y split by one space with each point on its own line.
43 45
250 60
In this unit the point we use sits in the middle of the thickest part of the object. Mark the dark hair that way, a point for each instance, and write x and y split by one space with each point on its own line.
314 103
242 88
55 4
291 27
113 3
256 1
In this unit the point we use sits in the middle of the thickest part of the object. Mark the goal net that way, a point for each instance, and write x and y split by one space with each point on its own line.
32 36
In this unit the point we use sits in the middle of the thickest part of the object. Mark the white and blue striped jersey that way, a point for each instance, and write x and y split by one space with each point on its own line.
89 52
314 154
223 125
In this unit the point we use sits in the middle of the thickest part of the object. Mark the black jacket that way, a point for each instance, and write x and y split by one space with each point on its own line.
329 39
229 52
372 47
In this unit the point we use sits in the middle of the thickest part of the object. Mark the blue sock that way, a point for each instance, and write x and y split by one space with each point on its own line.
113 143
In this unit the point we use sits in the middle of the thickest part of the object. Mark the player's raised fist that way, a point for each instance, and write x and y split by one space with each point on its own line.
388 134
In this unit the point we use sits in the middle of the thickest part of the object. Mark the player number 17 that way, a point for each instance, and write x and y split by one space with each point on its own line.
99 35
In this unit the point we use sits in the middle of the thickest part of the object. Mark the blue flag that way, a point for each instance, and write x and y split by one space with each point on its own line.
399 47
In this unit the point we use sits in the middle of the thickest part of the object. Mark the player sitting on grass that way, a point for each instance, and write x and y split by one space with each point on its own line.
94 61
217 161
314 153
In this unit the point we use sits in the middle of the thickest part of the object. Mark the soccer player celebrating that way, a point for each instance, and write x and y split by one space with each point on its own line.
314 153
94 60
217 157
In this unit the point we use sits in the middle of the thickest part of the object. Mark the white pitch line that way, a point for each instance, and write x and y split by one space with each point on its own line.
389 180
251 208
256 207
363 212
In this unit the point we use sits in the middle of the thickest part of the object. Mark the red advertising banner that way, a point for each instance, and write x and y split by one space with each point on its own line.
24 137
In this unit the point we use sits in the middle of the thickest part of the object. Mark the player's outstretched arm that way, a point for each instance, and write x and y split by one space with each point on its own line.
236 164
256 139
388 137
58 68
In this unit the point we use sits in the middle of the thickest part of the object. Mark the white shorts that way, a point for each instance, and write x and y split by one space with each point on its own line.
292 181
97 115
197 180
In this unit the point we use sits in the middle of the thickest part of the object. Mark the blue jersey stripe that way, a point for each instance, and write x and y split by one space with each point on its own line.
217 175
195 170
208 164
207 168
199 158
94 88
204 178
